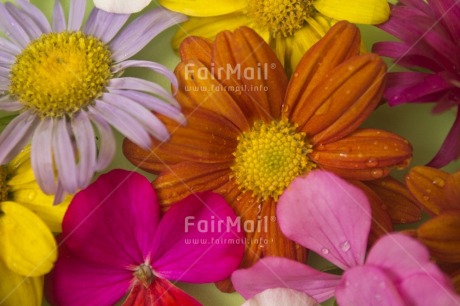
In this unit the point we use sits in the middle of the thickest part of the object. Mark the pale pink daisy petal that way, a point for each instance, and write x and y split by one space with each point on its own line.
104 25
197 251
281 296
367 286
13 29
58 23
121 6
107 143
333 224
279 272
64 155
76 14
37 15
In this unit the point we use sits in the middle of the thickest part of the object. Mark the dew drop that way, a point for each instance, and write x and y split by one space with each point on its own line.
345 246
377 173
428 190
439 182
385 148
295 75
31 195
372 162
426 198
324 251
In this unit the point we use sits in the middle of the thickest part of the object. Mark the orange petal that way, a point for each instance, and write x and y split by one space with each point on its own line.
197 48
400 204
183 179
366 154
343 100
273 241
340 43
452 190
427 186
243 59
199 88
381 222
441 235
206 138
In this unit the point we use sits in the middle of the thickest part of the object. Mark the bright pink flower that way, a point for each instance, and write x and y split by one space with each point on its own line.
332 218
430 36
114 242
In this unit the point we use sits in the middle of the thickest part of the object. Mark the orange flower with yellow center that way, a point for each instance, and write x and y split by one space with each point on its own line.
438 193
250 132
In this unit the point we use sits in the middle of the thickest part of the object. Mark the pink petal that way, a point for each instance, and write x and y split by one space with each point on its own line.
198 240
423 290
450 149
159 293
281 296
112 222
278 272
401 256
75 282
327 215
367 286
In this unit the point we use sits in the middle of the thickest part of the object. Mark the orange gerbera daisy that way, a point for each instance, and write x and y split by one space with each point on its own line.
250 132
438 192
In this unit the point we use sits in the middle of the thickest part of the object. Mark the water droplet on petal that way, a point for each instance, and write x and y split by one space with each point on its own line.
428 190
324 251
345 246
372 162
31 195
385 148
439 182
377 173
426 198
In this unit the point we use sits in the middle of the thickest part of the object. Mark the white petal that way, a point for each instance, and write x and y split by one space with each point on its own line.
121 6
281 296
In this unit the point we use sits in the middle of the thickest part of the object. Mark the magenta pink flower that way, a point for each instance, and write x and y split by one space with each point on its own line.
114 243
430 35
332 218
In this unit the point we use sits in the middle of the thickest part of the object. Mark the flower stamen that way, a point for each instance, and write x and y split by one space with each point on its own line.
60 73
268 158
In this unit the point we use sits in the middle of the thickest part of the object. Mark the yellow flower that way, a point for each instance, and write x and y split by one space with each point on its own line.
290 27
27 246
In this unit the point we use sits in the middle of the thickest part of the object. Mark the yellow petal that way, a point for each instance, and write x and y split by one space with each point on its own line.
21 165
204 8
31 197
19 290
26 244
208 27
356 11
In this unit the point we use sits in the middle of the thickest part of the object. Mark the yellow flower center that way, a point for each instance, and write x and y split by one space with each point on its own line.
268 158
280 16
3 186
144 275
60 73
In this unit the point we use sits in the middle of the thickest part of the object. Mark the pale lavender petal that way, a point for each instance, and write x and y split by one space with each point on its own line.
149 121
281 296
327 215
30 27
450 149
423 290
153 103
124 123
58 24
42 156
141 31
367 286
16 135
7 59
108 145
12 28
86 144
36 14
9 105
174 257
60 194
104 25
74 282
279 272
149 65
4 84
8 47
76 14
130 83
4 72
64 156
112 222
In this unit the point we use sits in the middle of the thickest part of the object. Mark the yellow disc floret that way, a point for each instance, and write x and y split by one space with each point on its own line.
3 186
60 73
280 16
268 158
